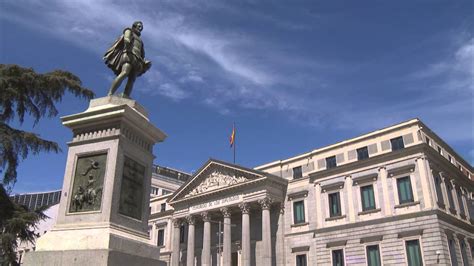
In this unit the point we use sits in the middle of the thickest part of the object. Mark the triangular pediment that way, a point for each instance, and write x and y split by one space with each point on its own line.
215 176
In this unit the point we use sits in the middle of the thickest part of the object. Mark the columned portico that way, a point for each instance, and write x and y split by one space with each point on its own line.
190 249
219 193
245 208
206 240
176 251
226 254
266 232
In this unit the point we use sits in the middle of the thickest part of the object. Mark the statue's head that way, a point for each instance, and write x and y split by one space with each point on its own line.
138 25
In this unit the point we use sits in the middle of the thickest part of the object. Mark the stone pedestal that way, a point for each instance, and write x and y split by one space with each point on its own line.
103 212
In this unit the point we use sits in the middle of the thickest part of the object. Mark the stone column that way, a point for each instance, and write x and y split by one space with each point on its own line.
266 232
175 256
206 240
190 250
350 202
319 206
245 208
227 237
425 185
280 243
387 209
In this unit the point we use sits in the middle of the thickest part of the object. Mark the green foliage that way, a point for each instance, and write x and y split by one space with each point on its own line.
25 92
17 223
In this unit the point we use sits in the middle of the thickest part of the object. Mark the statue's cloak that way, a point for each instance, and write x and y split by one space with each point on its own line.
116 56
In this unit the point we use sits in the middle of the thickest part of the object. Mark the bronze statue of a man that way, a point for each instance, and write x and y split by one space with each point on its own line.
126 57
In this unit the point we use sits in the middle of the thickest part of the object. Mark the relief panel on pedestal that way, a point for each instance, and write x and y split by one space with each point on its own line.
132 192
88 183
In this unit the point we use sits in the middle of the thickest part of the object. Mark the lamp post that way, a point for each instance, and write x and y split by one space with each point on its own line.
219 233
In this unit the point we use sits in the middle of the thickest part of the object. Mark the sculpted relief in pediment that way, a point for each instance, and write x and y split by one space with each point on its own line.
215 181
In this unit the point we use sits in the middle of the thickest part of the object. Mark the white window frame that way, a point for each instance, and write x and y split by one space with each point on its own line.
159 226
341 200
164 234
378 243
301 253
343 253
374 184
421 248
449 251
414 190
305 206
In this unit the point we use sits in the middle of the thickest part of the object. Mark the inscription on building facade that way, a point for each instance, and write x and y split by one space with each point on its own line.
215 203
131 194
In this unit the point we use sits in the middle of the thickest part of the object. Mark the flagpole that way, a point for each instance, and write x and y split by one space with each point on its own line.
234 142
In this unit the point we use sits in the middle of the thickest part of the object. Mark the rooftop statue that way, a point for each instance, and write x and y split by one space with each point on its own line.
126 58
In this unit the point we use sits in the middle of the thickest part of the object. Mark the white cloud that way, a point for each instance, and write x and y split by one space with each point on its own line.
456 71
226 70
221 52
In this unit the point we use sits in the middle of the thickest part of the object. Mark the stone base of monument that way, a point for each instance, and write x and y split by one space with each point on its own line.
120 251
57 248
103 212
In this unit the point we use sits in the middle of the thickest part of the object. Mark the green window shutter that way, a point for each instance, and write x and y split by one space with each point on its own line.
413 253
338 257
373 256
405 193
298 212
334 204
301 260
367 197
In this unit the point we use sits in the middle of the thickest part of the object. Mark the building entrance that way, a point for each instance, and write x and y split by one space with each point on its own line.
235 259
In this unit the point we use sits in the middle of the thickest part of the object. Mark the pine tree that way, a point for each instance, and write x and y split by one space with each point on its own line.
17 224
24 92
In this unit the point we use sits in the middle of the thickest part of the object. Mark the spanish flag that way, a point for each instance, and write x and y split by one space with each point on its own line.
232 136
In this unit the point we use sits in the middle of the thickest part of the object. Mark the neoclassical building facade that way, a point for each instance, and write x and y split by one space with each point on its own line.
396 196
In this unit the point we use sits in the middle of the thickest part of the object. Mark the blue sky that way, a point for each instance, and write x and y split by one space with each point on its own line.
293 75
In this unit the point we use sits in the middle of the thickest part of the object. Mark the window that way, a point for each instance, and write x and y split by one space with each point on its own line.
334 204
163 207
464 253
301 260
413 253
298 212
154 191
181 234
331 162
461 202
338 257
362 153
439 193
397 144
161 237
165 192
427 141
440 151
297 172
405 193
367 197
373 255
452 251
450 159
449 189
